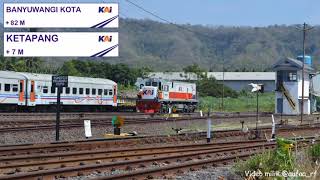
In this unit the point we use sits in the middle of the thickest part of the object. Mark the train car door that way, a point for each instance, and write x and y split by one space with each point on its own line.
115 95
22 99
165 91
32 94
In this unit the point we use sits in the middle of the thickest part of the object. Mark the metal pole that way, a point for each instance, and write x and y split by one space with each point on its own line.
257 119
305 29
302 76
222 105
58 114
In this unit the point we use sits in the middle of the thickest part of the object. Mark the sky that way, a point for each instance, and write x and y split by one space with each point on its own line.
216 12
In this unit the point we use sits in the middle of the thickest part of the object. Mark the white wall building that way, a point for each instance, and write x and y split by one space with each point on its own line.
288 95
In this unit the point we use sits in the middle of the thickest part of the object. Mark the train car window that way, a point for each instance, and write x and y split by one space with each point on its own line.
110 92
87 91
172 85
74 90
53 89
0 86
45 89
160 87
15 87
180 88
148 83
99 91
67 90
32 87
7 87
94 91
80 90
105 91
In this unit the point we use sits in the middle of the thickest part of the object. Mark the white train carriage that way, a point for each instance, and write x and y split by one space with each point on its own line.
35 90
11 88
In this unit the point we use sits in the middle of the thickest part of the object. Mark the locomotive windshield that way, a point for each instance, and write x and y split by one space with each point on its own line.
155 84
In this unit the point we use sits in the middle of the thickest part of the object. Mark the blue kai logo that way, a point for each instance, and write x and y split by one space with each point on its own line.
105 9
105 39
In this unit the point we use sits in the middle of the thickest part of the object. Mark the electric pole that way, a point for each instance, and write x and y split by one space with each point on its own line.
305 29
222 104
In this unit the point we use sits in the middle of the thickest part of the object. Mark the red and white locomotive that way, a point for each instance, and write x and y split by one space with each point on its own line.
159 95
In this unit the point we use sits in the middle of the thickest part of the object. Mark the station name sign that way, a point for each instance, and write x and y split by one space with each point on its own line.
61 44
61 15
60 81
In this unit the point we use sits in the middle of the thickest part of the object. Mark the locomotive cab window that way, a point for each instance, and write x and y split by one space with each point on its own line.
45 89
93 91
154 84
15 87
74 90
7 87
99 91
87 91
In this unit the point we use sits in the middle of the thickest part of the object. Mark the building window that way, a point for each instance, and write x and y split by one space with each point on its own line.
292 76
7 87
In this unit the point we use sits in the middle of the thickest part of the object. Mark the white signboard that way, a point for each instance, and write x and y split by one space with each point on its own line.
55 15
61 44
87 128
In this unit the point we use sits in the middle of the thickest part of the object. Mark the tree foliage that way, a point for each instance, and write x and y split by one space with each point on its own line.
120 73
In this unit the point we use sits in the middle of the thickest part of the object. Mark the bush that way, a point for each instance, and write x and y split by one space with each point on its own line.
314 152
277 160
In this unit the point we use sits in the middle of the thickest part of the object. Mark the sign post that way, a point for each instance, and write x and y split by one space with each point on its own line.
59 82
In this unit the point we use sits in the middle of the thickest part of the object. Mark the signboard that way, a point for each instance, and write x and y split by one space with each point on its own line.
61 44
61 15
60 81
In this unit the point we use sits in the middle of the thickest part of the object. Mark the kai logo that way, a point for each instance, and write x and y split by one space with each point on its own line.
105 38
105 9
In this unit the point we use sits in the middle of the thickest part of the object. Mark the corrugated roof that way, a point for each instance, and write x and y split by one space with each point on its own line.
228 76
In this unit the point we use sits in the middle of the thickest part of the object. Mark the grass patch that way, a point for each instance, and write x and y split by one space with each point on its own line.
282 162
240 104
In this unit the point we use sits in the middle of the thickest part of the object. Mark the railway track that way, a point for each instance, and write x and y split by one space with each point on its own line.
127 163
68 164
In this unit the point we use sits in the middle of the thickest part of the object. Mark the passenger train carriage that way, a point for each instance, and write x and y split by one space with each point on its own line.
21 91
159 95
